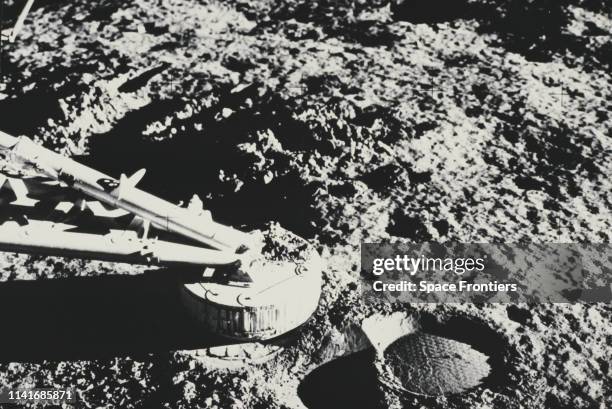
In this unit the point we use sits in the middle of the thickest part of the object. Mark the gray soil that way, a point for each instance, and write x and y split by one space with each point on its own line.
343 121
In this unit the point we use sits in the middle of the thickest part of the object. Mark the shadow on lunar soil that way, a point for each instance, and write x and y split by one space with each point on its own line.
191 162
96 318
347 382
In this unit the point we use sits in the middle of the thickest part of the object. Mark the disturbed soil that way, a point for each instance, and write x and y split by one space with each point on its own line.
344 121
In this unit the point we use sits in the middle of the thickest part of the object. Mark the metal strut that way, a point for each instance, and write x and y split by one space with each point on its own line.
226 244
10 34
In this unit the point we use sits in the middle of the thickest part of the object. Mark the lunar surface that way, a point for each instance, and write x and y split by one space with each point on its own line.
343 121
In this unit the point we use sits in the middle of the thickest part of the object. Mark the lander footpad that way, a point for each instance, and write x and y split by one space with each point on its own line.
265 297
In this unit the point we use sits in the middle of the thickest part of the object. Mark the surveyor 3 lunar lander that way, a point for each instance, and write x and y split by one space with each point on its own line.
250 286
